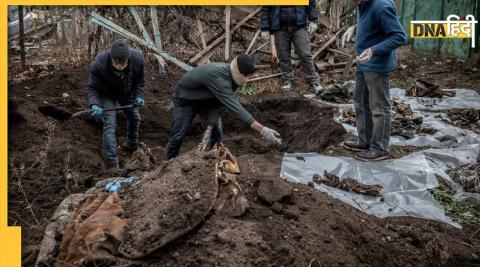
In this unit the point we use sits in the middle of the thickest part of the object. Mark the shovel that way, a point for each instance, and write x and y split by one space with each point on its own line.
63 115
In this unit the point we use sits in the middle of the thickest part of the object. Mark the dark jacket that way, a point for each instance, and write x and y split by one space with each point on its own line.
208 82
270 16
104 83
378 28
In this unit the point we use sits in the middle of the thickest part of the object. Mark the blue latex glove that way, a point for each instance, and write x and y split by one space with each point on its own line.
115 186
96 111
139 102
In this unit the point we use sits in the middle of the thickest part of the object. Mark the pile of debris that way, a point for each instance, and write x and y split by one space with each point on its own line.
465 118
338 92
347 184
425 88
125 226
468 176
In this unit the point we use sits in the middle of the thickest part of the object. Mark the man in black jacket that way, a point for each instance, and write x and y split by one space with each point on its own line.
289 26
117 76
207 91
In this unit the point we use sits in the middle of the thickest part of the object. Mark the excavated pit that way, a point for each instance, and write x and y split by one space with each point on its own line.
286 224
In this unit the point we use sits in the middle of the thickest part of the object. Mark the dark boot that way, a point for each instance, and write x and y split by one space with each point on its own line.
354 146
130 147
371 155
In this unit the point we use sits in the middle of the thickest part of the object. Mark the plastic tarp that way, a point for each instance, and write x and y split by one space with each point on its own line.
405 181
430 109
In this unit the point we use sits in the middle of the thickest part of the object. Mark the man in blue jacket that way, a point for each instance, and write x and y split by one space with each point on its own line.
289 26
117 76
379 34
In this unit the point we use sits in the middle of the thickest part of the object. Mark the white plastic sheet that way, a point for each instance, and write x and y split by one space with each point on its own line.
405 181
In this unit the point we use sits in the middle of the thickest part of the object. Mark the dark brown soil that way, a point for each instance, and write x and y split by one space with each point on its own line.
49 160
168 203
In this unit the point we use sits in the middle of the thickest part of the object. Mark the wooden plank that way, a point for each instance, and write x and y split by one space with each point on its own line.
201 33
228 35
206 58
328 43
146 36
338 52
260 47
157 37
156 29
109 25
264 77
220 39
204 43
253 41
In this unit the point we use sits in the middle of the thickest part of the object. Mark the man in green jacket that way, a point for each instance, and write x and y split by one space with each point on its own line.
207 91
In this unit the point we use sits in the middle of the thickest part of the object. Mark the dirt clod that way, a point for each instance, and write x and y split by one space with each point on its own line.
272 191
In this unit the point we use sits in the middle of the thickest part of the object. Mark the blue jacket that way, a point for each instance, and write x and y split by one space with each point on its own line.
378 28
270 16
103 83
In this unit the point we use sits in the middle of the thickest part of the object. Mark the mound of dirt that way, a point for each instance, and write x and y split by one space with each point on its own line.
168 203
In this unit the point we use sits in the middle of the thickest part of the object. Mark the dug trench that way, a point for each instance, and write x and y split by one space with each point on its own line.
286 224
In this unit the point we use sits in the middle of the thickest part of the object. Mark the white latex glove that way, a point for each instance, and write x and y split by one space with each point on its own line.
312 27
265 35
365 56
271 135
349 35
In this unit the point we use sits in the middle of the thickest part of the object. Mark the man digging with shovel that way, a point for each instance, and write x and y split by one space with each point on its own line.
117 76
207 91
379 34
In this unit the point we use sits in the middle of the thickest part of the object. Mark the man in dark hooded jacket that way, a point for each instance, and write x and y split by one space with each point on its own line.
117 76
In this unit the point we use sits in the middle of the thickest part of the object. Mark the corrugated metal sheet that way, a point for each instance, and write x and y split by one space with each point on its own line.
439 10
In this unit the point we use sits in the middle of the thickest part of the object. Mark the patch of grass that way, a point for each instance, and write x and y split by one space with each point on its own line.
246 90
463 212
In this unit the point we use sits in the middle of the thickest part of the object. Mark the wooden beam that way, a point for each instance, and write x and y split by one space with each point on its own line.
204 43
146 36
253 41
110 25
328 43
157 37
220 39
228 35
264 77
260 47
338 52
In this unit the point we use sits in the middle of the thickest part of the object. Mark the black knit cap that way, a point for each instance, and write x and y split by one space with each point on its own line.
245 64
119 51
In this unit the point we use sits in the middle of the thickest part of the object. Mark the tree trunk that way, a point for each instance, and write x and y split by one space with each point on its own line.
22 36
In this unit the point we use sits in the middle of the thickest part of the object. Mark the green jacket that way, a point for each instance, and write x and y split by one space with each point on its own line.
210 81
